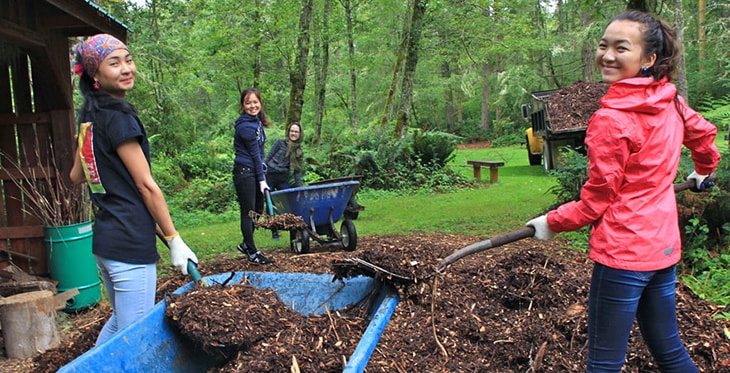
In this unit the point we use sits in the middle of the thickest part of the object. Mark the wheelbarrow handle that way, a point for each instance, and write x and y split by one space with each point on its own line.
487 244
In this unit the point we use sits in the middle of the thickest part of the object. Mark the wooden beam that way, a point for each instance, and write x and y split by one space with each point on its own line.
92 15
27 231
24 118
19 35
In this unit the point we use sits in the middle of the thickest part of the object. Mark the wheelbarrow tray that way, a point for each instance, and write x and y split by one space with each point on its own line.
314 202
151 344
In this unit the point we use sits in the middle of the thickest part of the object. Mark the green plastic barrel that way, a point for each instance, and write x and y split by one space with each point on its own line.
72 264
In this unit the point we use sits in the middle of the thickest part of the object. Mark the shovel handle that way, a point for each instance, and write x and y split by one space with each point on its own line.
192 266
269 204
707 183
193 271
487 244
530 231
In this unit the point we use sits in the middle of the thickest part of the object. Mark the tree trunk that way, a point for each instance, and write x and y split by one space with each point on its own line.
449 96
588 52
701 33
320 73
298 75
29 324
486 74
681 68
349 15
394 80
414 36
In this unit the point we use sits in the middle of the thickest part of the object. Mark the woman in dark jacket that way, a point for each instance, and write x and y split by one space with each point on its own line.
249 168
284 161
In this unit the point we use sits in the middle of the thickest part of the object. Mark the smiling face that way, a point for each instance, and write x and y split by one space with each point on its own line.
620 52
294 132
251 105
116 73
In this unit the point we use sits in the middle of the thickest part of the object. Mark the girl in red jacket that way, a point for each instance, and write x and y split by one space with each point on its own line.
634 143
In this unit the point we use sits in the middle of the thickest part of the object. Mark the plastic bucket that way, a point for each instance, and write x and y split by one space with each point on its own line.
72 264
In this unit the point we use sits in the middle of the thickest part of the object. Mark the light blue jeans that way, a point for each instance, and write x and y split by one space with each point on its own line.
131 289
617 297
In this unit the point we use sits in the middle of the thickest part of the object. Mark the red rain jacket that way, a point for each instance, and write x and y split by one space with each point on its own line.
634 143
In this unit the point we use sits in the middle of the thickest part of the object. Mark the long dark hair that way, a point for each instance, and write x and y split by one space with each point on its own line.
262 113
94 100
658 37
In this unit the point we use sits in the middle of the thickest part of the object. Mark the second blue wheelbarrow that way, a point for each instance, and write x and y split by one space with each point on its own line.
320 206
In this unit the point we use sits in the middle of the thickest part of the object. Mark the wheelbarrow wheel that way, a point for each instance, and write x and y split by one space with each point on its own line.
299 241
349 235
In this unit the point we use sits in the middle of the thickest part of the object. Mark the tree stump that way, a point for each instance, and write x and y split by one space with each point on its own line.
29 324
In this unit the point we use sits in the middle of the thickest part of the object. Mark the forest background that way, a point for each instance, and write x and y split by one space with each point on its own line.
386 88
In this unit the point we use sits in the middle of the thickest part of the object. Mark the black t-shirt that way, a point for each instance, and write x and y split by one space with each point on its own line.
124 230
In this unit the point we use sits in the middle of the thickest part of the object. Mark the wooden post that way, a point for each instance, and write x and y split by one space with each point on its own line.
29 324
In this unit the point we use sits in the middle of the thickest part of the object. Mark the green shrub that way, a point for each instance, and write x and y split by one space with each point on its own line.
570 176
434 148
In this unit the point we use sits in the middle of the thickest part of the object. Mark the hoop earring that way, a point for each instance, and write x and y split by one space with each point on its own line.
644 71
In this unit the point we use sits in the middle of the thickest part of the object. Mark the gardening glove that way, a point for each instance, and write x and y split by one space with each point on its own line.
263 186
542 229
180 253
699 182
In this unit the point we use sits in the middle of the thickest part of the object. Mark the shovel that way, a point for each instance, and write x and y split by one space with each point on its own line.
530 231
192 266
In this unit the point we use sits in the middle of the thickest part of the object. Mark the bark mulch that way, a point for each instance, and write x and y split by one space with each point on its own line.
516 308
572 106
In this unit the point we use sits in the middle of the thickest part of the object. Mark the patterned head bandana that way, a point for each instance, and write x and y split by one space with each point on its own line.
92 51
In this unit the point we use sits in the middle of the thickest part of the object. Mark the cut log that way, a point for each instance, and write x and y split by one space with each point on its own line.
29 324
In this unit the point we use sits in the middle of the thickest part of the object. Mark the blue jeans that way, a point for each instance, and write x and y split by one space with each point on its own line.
131 289
617 297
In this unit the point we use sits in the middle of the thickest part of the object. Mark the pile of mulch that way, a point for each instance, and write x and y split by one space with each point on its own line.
572 106
285 221
516 308
249 329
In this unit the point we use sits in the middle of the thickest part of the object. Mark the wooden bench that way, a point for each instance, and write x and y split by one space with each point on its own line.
493 168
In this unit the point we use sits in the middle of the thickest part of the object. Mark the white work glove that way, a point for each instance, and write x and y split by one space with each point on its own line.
263 186
698 179
542 229
180 253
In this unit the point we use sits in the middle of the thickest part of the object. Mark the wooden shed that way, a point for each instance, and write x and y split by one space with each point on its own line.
37 124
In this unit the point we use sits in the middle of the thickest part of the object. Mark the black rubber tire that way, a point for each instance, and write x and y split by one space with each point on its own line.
299 241
349 235
535 159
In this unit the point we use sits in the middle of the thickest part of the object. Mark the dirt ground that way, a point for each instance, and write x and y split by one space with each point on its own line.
517 308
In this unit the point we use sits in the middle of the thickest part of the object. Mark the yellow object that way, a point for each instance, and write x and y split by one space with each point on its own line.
168 238
535 142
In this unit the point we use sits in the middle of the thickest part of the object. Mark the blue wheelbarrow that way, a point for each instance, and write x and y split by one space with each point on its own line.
153 344
320 206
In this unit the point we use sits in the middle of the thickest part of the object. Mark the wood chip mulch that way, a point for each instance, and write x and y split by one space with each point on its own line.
516 308
572 106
